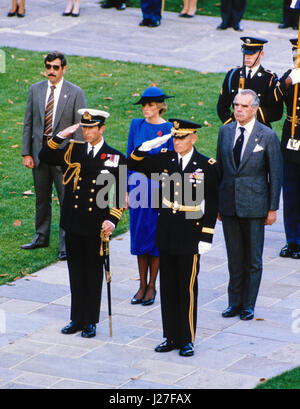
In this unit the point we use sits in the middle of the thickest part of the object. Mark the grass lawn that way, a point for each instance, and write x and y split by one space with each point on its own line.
270 11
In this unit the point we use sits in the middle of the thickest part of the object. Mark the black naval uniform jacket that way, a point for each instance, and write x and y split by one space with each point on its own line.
82 219
263 83
176 233
286 94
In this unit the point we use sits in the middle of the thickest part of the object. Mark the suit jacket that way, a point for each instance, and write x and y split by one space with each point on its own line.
176 232
263 83
252 189
80 213
70 100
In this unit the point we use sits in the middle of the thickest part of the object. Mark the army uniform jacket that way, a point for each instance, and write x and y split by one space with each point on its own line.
80 213
263 83
286 94
179 231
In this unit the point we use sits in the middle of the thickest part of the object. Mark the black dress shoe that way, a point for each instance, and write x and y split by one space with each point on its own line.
231 311
88 331
149 302
121 6
75 14
166 346
71 328
222 27
182 15
286 251
62 255
237 27
108 4
296 252
145 22
247 314
187 350
283 26
36 243
65 14
154 23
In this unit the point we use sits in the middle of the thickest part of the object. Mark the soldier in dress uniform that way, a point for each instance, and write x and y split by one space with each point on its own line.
187 216
83 214
251 75
291 158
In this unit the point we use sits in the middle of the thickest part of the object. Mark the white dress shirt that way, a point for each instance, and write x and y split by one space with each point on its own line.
97 147
186 158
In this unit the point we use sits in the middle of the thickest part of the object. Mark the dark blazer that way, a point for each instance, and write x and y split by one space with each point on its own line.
80 212
263 83
252 189
70 100
176 233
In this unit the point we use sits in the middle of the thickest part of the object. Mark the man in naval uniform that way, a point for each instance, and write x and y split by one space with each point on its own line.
251 75
187 216
83 215
290 148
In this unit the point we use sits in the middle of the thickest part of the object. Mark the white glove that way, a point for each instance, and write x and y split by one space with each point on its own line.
154 143
295 75
203 247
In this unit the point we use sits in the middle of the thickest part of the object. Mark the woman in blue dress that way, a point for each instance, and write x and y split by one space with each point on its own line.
143 216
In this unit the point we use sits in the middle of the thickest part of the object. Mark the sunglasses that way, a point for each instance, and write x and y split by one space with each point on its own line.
55 67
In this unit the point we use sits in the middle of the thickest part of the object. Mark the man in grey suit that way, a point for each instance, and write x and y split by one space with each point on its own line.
51 107
250 166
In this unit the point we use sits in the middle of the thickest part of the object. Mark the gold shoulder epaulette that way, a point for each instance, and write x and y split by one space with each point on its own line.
212 161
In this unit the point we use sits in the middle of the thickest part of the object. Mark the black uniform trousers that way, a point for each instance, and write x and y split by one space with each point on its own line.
179 291
232 11
86 276
244 238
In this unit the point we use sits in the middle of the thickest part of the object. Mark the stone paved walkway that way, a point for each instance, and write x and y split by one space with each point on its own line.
229 353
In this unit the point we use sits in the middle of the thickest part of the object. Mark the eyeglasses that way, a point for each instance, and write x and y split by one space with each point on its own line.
55 67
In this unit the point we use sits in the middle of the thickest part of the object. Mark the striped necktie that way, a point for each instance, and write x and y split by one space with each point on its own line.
49 113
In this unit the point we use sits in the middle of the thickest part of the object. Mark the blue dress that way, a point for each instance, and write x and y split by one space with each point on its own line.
143 218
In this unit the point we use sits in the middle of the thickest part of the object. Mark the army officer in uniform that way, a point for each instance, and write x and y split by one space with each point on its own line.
187 216
291 159
82 217
251 75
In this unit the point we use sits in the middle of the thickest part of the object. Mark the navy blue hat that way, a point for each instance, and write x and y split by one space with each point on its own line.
152 94
252 44
182 127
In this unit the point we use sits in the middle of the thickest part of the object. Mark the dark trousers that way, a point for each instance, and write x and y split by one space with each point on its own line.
86 277
232 11
290 16
179 292
151 9
244 240
43 177
291 202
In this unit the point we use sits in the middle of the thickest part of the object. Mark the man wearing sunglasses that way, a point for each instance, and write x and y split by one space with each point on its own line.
52 106
251 75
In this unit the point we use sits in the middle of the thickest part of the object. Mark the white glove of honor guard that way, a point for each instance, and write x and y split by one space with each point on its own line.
295 75
154 143
203 247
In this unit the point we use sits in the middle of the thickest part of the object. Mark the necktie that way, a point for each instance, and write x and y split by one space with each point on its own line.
49 112
249 75
91 153
238 147
180 164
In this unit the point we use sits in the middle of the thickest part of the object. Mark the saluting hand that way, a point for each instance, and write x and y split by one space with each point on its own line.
154 143
68 131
